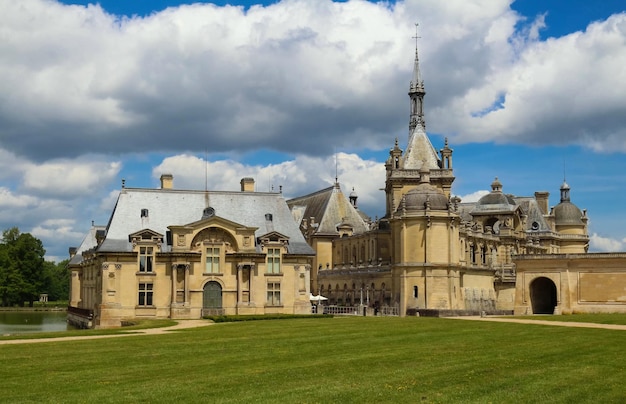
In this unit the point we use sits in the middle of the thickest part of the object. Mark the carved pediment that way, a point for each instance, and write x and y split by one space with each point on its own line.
273 237
215 235
213 230
216 221
145 235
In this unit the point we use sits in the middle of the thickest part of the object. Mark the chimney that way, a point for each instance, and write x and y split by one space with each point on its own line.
167 181
247 184
542 201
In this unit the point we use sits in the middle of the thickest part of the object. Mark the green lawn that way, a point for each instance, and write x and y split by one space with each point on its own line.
340 360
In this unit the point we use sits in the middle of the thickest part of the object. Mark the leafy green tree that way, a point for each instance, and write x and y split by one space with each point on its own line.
21 267
57 280
9 294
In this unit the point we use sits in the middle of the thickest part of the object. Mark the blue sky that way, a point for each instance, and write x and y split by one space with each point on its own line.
528 91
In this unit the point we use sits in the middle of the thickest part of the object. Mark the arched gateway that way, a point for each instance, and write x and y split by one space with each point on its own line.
543 296
212 299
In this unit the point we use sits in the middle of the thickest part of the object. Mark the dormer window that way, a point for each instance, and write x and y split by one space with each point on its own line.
144 237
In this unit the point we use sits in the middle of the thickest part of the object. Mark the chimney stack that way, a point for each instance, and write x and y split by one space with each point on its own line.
167 181
542 201
247 184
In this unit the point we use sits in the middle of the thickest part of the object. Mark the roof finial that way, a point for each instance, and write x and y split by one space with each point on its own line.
416 37
206 178
336 168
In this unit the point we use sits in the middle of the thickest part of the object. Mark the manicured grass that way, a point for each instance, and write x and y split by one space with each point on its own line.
600 318
353 360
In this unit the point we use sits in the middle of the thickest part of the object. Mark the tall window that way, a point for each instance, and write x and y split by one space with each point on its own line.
273 260
212 260
146 258
145 294
273 294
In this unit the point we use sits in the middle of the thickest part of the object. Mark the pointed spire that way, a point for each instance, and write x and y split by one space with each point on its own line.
336 169
416 93
416 81
420 151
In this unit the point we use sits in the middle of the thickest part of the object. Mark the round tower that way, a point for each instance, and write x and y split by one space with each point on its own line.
425 234
571 224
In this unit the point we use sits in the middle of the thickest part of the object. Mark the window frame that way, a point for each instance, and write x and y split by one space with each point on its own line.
146 259
273 294
212 259
145 294
273 260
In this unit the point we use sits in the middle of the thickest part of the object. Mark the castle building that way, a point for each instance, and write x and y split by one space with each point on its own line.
169 253
181 254
431 251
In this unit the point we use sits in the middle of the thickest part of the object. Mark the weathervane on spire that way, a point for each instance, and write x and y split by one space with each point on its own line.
416 37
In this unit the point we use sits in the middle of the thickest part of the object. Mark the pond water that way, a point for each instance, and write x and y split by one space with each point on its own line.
21 322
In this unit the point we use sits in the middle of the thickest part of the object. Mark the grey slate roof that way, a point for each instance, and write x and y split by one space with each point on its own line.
167 207
88 243
329 207
533 212
464 210
495 202
420 151
566 213
528 205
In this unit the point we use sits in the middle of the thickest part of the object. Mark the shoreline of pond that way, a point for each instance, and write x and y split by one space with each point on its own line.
32 309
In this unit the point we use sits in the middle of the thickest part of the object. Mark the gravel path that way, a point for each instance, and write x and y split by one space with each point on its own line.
182 324
543 322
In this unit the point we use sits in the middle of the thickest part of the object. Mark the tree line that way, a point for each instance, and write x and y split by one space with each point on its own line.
25 274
